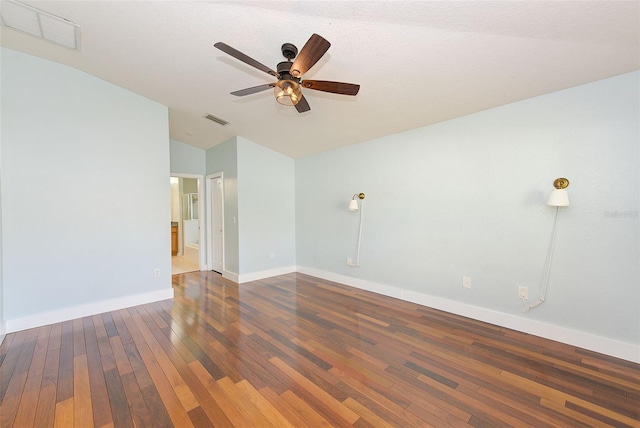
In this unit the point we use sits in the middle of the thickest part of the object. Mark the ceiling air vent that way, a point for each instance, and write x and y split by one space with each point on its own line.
216 119
41 24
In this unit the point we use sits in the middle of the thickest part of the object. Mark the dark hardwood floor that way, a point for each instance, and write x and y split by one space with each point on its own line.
297 351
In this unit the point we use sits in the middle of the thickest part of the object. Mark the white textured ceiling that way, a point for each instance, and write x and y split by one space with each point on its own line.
418 62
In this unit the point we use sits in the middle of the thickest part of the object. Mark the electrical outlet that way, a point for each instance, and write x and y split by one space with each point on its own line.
272 255
156 273
523 292
349 261
466 282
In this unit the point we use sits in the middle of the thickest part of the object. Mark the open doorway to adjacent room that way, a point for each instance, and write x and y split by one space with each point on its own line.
186 233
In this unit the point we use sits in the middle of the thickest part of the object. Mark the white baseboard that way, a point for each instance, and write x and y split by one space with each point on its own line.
3 331
38 320
603 345
614 348
231 276
254 276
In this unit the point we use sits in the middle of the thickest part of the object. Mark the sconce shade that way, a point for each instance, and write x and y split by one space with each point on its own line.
558 198
353 204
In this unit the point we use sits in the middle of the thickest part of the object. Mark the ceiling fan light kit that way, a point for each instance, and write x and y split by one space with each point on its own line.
288 92
288 88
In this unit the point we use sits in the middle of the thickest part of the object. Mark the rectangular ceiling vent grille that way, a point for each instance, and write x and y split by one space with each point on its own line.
216 119
40 24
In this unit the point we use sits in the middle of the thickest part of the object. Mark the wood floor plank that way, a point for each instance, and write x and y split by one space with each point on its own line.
153 405
577 416
135 399
16 383
45 411
263 405
5 345
200 418
99 394
559 397
336 410
160 383
193 381
292 416
123 365
195 344
64 414
258 368
120 412
386 404
365 413
78 337
298 351
121 328
231 412
64 388
313 418
25 415
180 389
104 345
248 407
82 402
11 349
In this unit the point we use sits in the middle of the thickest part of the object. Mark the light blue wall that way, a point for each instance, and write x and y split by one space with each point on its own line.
266 208
224 158
259 206
2 317
186 159
75 230
467 198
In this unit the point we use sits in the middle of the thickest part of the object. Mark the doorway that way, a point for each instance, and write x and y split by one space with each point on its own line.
187 252
215 222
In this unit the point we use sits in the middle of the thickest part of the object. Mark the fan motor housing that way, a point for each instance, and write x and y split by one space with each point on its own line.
284 71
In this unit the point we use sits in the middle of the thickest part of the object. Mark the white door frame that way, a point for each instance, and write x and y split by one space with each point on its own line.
201 233
210 220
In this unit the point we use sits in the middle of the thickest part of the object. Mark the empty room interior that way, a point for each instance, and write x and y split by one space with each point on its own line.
320 214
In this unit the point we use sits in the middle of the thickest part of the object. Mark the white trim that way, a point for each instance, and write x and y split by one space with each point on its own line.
201 212
39 320
3 331
254 276
209 236
231 276
614 348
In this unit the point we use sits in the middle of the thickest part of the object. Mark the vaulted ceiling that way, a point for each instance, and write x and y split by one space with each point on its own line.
418 62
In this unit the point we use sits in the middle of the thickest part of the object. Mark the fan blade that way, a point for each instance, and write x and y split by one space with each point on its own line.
244 58
333 87
311 53
253 90
302 105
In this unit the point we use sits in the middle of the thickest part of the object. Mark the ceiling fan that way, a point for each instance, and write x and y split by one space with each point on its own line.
288 88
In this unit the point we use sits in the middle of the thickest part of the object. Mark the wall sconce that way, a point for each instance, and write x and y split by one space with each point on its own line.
353 204
558 198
